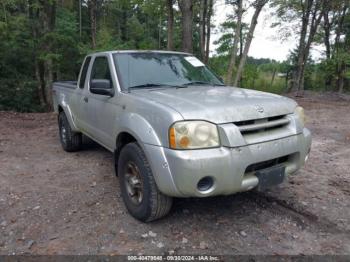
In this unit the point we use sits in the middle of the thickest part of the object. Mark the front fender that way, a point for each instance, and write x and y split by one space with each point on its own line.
149 140
139 128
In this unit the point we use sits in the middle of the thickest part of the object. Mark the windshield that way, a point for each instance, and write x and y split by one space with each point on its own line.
151 69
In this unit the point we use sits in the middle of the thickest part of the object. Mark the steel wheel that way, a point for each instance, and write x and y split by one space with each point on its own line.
139 190
134 183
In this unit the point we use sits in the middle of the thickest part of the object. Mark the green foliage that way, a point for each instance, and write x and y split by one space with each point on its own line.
263 83
257 74
18 94
219 64
225 42
250 75
141 24
121 24
65 38
17 88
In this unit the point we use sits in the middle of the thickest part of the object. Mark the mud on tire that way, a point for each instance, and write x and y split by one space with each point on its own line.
140 193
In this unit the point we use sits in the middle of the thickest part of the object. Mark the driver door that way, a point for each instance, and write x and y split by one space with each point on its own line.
102 108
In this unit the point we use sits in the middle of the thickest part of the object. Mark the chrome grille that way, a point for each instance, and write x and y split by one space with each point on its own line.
261 125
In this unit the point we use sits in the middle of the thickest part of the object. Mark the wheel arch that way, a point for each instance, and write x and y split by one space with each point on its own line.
66 110
131 127
122 140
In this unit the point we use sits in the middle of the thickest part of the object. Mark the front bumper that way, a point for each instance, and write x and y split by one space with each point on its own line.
177 172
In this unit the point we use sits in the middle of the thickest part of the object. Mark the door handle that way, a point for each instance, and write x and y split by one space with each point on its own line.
86 100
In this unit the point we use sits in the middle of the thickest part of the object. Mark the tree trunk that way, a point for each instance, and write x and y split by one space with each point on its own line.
326 40
170 44
208 34
315 21
340 66
340 24
33 16
327 33
48 78
49 21
186 8
273 76
259 5
160 32
241 43
93 21
286 82
40 84
301 48
80 19
202 27
123 24
43 19
341 78
237 37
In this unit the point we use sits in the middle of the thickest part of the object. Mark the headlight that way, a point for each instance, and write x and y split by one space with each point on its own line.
193 135
301 114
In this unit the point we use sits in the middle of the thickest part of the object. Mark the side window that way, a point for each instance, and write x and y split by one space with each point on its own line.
84 72
100 69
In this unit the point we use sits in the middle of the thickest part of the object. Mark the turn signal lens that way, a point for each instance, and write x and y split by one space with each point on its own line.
172 137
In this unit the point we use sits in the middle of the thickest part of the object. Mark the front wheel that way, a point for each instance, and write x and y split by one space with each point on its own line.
140 193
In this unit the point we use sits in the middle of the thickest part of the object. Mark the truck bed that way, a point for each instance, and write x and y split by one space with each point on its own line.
65 88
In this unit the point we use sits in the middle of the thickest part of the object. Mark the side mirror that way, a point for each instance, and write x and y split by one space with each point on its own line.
101 87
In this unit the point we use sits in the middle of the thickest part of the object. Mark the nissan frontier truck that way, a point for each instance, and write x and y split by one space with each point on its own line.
176 130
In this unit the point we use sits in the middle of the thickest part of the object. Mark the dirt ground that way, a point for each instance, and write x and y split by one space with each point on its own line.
53 202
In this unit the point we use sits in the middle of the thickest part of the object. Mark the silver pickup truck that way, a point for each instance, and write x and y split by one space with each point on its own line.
176 130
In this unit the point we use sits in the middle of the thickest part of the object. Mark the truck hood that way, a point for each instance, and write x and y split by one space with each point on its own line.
220 104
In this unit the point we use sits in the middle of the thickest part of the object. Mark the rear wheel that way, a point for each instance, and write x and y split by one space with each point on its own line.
70 141
140 193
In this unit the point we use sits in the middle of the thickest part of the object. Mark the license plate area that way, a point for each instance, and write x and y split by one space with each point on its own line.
270 177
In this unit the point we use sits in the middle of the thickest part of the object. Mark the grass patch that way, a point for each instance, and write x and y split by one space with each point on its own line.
263 83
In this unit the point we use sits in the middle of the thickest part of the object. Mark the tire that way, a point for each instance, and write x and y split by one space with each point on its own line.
70 141
150 204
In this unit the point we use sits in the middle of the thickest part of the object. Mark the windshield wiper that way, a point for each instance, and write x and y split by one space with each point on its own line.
185 85
144 85
201 83
150 85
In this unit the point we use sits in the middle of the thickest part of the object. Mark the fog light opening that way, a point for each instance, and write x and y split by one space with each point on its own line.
205 184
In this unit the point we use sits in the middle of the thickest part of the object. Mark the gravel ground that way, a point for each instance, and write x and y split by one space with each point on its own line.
53 202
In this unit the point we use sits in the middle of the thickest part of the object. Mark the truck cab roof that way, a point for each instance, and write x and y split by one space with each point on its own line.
140 51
